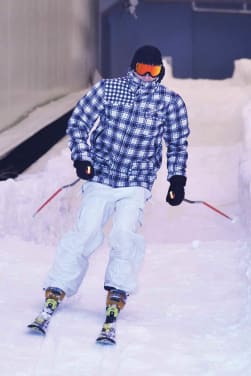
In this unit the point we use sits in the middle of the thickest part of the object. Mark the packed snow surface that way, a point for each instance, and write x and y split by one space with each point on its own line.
191 313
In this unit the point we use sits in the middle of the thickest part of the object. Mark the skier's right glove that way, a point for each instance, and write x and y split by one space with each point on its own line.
176 192
84 169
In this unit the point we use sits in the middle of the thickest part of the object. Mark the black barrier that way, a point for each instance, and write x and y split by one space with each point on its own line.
25 154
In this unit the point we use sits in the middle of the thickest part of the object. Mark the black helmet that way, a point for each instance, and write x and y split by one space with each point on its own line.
148 55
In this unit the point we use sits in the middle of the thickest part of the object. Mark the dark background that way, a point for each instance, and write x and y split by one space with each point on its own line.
200 44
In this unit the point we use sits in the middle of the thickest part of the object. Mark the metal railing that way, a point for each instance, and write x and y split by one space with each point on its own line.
244 9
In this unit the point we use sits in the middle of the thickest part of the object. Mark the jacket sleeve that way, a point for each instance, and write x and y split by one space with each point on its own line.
87 111
175 137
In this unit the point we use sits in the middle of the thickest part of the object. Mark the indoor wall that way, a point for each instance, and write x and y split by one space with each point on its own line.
48 49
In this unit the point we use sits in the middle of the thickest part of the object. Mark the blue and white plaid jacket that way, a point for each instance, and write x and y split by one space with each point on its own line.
126 145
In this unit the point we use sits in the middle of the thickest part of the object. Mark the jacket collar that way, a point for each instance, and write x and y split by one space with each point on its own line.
138 86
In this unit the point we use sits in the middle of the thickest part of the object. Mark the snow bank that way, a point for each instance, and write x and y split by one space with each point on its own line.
20 198
242 71
245 168
167 62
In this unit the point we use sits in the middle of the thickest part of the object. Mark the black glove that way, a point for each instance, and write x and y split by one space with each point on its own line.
84 169
176 192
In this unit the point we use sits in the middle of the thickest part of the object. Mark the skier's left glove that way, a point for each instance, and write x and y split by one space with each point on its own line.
176 192
84 169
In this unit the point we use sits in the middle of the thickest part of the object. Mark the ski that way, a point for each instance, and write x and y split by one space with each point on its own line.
39 325
107 335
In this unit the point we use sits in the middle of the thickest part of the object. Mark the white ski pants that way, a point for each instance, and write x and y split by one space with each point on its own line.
127 246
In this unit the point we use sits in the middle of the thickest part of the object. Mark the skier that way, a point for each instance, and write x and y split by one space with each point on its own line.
118 160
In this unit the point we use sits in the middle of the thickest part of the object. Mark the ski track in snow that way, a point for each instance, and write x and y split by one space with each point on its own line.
191 314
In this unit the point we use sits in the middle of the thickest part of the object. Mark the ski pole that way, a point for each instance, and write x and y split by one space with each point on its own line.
209 206
54 195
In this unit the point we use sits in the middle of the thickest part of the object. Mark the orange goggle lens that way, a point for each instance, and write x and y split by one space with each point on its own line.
143 69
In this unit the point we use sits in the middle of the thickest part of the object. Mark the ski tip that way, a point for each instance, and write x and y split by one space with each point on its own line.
105 341
35 329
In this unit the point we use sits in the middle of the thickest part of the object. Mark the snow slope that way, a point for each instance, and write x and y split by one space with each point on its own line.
191 314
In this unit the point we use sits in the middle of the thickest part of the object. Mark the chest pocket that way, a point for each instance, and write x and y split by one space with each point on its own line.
154 123
118 112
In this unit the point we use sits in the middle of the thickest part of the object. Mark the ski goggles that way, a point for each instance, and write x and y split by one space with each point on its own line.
142 69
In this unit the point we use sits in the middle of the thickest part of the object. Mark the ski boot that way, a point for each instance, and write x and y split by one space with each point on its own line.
115 301
53 297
